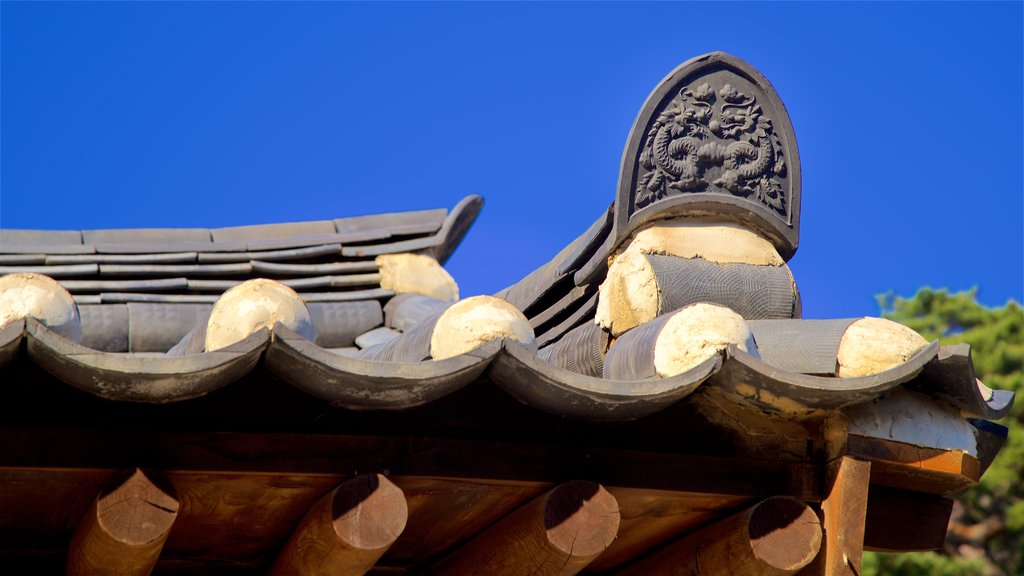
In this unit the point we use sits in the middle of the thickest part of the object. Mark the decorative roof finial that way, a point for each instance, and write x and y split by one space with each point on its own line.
713 138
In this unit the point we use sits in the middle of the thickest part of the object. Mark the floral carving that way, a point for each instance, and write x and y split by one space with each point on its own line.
708 138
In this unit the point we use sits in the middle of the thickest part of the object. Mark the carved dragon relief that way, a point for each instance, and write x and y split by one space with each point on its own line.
707 137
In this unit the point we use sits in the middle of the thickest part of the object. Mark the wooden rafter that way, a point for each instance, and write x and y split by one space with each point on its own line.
446 511
347 530
557 534
651 518
775 537
124 530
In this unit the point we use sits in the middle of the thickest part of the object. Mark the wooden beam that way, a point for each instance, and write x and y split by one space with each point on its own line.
651 518
347 530
844 511
905 521
775 537
557 534
910 467
260 509
444 512
124 530
318 456
42 506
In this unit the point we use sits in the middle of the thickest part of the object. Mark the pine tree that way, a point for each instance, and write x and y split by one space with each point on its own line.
986 532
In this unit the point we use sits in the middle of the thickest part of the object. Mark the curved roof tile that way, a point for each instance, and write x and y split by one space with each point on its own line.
950 379
550 388
10 341
142 378
361 384
778 391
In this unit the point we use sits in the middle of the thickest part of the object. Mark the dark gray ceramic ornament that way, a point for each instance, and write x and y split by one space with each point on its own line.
713 138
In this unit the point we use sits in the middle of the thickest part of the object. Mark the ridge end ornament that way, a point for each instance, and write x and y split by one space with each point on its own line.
713 139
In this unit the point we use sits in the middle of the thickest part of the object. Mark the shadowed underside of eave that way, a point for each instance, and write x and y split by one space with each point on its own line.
235 513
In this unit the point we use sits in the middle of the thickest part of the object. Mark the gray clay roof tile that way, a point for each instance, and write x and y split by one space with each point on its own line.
146 236
60 271
267 255
11 237
268 231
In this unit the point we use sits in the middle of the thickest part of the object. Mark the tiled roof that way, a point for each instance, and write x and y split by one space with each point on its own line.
143 290
325 261
555 299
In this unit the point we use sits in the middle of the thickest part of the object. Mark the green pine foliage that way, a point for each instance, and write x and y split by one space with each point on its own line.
921 564
987 534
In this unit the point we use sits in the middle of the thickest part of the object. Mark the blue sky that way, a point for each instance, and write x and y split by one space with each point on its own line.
908 118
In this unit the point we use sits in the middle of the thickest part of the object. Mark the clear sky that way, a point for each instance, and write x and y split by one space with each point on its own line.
908 118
